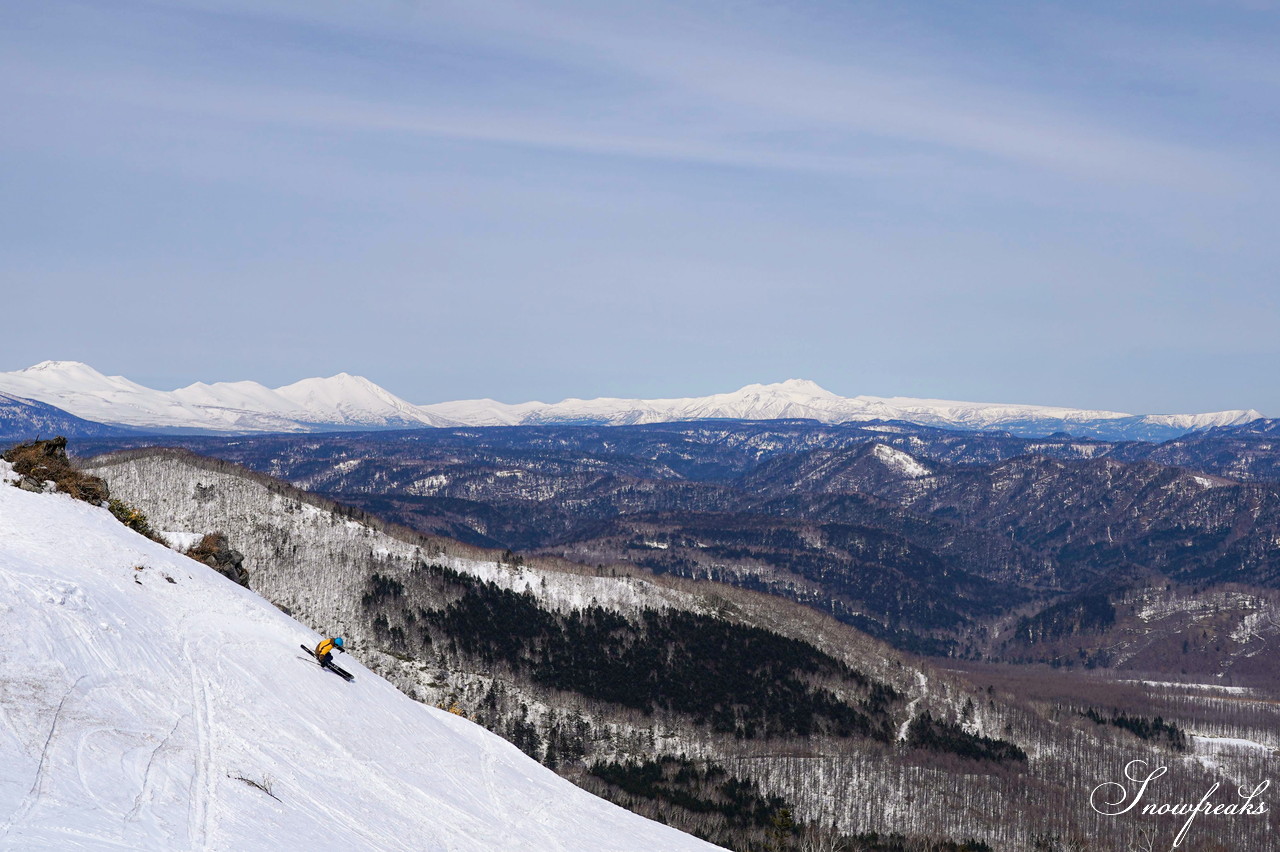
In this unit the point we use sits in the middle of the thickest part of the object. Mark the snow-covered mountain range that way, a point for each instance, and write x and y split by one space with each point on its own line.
353 402
341 401
799 398
148 703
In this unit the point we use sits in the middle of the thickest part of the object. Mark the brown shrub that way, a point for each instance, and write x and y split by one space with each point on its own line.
43 461
133 519
215 551
211 546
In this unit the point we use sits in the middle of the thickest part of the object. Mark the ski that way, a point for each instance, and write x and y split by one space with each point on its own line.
340 672
336 669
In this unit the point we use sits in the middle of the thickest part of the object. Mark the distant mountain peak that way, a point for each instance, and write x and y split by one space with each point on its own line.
806 386
65 367
790 387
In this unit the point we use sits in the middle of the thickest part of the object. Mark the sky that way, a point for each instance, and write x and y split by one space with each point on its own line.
1069 203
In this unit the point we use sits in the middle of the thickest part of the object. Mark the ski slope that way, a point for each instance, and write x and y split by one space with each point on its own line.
146 702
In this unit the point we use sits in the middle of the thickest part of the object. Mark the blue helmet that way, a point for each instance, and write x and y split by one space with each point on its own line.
337 640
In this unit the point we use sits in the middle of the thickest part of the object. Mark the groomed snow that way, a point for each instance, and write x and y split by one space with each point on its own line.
146 701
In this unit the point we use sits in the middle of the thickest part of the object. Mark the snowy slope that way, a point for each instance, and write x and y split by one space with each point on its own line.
145 702
484 412
234 400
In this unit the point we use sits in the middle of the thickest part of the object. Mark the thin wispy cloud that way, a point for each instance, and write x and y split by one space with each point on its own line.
693 99
759 87
316 111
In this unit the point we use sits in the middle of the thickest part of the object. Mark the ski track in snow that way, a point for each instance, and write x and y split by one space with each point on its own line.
33 795
145 791
203 783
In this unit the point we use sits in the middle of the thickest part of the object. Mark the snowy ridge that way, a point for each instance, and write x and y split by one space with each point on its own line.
149 703
346 401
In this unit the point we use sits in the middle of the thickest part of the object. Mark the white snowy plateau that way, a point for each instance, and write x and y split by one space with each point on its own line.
346 402
148 703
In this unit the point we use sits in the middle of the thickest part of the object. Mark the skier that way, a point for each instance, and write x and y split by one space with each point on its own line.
324 651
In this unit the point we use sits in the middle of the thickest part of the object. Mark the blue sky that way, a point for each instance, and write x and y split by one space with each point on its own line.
1067 203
